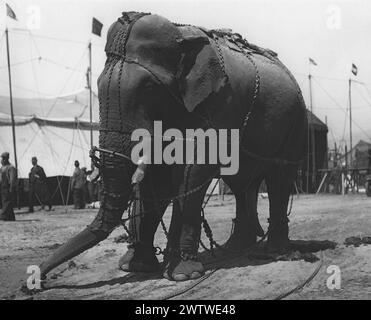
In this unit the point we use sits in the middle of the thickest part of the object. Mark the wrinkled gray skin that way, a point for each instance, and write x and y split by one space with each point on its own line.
173 74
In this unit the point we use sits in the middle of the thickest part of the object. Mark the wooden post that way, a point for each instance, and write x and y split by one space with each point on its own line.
323 180
342 184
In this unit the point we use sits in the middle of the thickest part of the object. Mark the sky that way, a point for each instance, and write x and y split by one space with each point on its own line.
52 57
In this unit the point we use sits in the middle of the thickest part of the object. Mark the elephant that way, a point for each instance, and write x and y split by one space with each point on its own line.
190 77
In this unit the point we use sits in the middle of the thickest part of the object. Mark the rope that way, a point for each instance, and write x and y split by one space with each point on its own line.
193 285
116 55
212 242
207 276
304 283
299 287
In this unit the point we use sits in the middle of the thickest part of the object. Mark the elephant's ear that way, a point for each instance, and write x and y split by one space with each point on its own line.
200 73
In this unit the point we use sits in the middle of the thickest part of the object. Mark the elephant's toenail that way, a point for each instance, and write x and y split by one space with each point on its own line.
195 275
180 277
166 276
124 267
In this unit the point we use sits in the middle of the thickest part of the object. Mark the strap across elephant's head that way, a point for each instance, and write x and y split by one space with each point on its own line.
183 58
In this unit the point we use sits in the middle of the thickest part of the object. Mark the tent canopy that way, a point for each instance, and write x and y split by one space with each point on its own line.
315 122
360 155
55 130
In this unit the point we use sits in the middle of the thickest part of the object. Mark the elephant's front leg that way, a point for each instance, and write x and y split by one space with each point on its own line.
155 194
181 262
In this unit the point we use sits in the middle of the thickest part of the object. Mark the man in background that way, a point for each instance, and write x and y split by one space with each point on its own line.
86 191
8 180
38 186
92 177
78 183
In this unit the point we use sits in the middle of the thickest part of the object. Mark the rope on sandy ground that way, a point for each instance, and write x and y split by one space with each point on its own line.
185 290
304 283
206 276
280 297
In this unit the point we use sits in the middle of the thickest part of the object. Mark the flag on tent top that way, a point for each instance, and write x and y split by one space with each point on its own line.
97 27
354 69
311 61
10 12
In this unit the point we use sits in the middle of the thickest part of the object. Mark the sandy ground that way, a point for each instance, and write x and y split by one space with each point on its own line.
94 274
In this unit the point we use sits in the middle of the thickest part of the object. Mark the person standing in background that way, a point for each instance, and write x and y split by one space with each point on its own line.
86 192
8 180
38 186
93 176
78 185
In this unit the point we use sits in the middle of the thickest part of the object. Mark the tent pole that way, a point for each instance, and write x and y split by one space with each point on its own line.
11 100
350 124
90 96
312 132
12 111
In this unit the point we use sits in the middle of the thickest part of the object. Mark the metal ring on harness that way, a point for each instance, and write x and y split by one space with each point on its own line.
159 251
110 153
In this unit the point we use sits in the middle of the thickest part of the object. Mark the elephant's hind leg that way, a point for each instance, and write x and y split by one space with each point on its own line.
279 183
246 225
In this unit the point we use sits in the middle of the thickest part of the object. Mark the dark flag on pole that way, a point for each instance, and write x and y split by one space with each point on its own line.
311 61
354 69
97 27
10 12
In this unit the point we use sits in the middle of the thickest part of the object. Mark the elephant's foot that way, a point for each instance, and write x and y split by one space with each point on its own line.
183 267
139 258
244 235
240 241
278 237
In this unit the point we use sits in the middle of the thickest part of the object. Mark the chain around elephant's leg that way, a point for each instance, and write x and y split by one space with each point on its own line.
155 192
182 263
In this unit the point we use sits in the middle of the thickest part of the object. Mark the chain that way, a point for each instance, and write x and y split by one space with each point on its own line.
291 203
182 25
208 231
205 224
158 207
130 207
220 56
123 36
254 97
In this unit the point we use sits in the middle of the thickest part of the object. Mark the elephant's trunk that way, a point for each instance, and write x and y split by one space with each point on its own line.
116 178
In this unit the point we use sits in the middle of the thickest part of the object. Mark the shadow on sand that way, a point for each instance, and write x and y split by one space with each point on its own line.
223 258
260 255
128 278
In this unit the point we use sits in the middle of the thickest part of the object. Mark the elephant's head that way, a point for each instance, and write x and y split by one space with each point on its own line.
154 70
